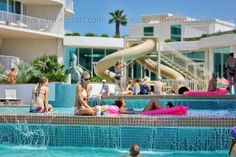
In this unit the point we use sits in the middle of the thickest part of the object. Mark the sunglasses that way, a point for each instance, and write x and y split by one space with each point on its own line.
87 79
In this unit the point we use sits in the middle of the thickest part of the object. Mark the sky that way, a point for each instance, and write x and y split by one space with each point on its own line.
93 15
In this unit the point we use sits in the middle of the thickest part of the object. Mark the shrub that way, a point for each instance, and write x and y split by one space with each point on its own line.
169 40
104 35
99 79
49 67
57 76
192 39
72 34
205 35
26 73
90 34
3 75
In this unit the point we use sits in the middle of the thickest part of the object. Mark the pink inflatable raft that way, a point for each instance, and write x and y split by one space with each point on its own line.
218 92
178 110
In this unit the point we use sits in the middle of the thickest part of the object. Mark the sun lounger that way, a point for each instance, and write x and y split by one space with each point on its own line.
10 98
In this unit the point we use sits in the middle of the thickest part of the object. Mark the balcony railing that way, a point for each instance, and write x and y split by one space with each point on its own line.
69 4
29 23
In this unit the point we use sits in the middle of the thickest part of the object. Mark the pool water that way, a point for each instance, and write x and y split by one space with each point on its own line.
27 151
70 111
23 110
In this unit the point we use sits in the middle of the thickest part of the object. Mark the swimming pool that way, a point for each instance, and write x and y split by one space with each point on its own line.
70 111
204 131
26 151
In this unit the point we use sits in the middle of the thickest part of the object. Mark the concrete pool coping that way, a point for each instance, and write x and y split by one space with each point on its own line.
207 97
119 120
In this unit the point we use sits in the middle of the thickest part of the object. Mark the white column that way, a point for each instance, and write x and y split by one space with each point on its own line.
211 60
159 59
1 42
206 59
78 56
233 49
22 8
92 64
7 5
132 70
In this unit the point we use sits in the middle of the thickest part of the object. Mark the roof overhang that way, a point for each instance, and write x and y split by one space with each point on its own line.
7 32
93 42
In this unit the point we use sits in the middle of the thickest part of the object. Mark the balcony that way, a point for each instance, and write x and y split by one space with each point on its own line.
42 2
69 7
29 24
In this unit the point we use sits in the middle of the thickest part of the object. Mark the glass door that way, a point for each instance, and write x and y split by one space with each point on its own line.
220 56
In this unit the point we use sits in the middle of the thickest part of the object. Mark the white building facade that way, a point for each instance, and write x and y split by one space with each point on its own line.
31 28
179 33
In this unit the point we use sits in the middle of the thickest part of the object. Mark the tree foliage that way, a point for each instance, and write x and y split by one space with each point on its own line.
49 67
104 35
89 34
119 19
27 73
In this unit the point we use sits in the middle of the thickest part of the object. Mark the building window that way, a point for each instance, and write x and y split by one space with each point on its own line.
11 6
3 5
85 58
196 56
148 31
220 56
175 32
17 7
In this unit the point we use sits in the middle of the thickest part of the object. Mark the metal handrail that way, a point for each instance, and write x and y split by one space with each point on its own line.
185 64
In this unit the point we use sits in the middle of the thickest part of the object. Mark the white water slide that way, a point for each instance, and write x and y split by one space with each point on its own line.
133 53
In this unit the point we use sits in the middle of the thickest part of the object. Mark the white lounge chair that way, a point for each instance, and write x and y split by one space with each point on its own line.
10 98
10 94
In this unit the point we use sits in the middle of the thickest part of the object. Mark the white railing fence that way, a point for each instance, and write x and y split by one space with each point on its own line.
28 22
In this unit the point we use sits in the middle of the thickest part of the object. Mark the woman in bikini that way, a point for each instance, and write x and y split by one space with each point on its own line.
83 92
40 97
118 76
152 105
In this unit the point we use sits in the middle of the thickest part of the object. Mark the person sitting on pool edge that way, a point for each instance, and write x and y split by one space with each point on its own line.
232 150
153 104
40 97
83 93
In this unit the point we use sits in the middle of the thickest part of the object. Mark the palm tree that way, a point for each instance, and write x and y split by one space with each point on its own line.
119 19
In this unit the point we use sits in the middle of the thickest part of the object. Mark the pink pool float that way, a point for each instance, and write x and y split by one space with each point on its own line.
178 110
218 92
